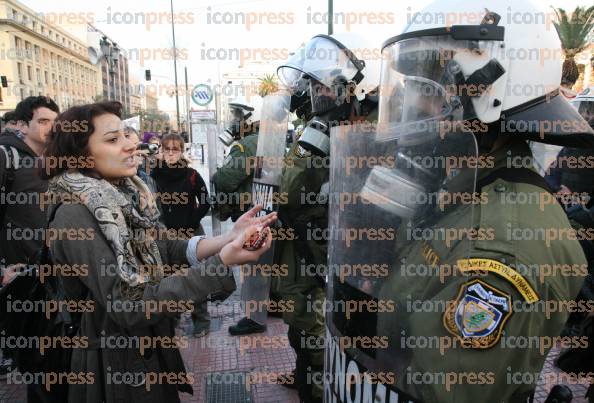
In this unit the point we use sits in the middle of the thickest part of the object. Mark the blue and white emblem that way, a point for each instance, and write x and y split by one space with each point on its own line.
478 314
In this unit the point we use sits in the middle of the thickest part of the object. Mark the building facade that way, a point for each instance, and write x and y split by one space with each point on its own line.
151 103
136 95
115 77
243 81
38 58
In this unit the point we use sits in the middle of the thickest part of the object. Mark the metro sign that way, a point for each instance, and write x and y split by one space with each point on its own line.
202 94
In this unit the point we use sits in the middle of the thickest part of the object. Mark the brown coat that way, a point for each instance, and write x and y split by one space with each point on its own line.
107 325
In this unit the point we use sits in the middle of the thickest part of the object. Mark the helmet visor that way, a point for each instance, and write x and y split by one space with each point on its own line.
321 59
431 79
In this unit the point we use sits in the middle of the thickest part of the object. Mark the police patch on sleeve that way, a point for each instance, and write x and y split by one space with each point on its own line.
478 314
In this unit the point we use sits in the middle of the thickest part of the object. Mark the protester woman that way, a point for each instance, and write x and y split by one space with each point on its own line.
182 185
186 205
137 279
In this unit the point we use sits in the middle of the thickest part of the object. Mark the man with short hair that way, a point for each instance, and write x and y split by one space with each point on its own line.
8 122
21 186
22 220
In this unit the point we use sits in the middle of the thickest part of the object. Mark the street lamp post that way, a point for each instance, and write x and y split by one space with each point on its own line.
111 52
175 65
330 17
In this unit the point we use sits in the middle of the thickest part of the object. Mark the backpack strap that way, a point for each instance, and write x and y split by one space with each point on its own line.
516 175
13 160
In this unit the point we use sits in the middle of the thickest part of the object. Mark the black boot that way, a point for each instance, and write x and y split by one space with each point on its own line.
246 326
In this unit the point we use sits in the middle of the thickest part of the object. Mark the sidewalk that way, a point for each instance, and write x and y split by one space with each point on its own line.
239 369
223 365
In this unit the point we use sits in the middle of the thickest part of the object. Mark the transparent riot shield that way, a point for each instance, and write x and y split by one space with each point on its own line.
268 166
215 152
395 226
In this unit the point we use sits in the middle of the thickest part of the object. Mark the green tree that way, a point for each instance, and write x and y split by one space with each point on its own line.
268 85
573 31
153 121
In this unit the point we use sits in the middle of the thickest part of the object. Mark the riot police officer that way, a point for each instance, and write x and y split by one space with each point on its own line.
462 296
331 86
233 181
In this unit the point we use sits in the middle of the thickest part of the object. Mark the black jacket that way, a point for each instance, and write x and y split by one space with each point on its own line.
183 196
567 169
21 231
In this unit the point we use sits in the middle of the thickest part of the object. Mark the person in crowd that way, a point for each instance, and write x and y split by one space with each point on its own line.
184 199
130 263
154 139
151 161
175 176
142 158
9 122
20 147
233 181
35 116
21 144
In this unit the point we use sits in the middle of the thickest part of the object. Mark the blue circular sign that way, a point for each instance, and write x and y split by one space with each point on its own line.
202 94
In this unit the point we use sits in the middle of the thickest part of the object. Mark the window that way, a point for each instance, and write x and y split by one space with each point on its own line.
20 71
28 50
15 14
34 25
37 53
18 43
38 75
42 30
45 73
29 73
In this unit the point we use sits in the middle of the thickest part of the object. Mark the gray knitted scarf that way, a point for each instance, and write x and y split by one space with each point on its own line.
127 215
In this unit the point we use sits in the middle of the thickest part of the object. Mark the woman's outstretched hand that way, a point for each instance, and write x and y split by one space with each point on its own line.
209 247
234 253
249 219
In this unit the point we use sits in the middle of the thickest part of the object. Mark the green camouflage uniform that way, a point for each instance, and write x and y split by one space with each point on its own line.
501 268
234 178
302 180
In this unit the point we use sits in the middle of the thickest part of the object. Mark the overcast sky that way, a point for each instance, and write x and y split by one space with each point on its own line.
197 32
